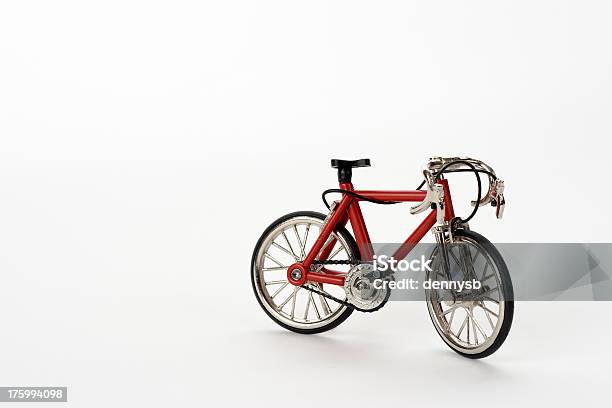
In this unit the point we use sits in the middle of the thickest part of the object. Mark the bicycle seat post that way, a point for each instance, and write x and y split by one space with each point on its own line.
344 174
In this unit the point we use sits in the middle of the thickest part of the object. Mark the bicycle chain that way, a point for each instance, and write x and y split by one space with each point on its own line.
341 262
327 295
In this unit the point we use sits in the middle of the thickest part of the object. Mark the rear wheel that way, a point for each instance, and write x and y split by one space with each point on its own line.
287 241
476 322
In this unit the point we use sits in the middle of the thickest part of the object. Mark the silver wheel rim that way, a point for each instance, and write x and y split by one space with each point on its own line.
469 326
287 243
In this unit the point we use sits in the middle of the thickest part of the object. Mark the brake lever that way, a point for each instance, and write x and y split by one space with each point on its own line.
498 199
495 196
435 196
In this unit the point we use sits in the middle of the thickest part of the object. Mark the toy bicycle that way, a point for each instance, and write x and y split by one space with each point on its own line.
309 273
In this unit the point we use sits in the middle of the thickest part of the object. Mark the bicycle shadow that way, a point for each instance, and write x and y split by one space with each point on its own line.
355 351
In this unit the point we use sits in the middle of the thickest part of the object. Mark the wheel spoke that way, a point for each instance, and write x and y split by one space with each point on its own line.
299 241
307 308
487 314
474 328
440 273
324 291
279 290
480 329
305 239
324 304
437 261
329 240
490 299
287 300
489 290
278 282
274 268
450 321
270 257
336 252
485 278
315 306
289 245
468 262
486 309
450 309
482 277
476 257
468 327
285 251
295 291
462 326
450 251
477 326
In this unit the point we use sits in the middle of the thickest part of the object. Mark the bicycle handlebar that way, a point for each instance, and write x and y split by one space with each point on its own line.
437 166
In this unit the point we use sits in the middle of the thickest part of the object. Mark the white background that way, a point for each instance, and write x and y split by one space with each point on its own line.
144 147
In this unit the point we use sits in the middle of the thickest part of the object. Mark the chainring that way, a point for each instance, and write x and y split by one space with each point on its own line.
359 304
359 286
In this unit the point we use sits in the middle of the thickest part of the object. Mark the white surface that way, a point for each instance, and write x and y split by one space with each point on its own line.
145 146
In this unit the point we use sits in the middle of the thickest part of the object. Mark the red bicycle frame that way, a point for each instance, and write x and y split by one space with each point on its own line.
348 210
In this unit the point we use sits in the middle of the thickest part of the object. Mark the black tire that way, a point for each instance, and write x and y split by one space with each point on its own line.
254 274
508 293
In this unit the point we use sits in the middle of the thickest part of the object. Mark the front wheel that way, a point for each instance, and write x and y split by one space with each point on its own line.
473 322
